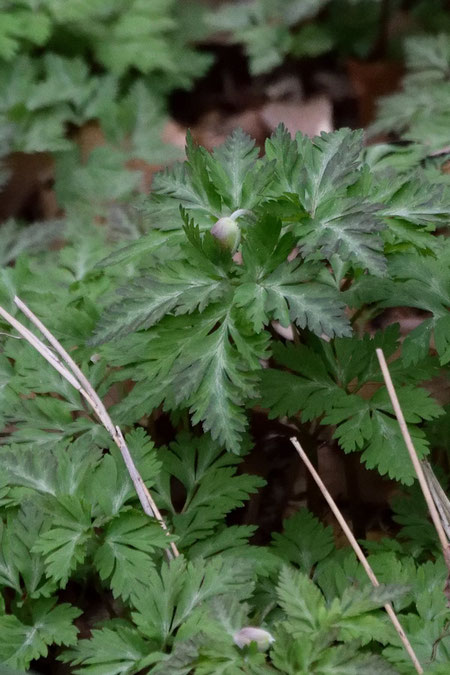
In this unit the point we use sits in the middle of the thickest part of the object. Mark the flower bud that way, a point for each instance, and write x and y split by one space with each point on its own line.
227 231
251 634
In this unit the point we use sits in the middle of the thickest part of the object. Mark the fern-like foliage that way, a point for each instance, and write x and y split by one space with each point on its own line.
58 522
309 632
207 316
420 111
129 44
416 281
327 234
263 26
336 385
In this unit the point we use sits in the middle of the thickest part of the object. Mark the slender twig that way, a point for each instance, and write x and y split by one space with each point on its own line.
413 455
357 548
72 373
439 497
41 348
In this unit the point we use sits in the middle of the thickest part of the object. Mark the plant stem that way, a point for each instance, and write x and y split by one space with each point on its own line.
354 496
359 553
77 379
414 458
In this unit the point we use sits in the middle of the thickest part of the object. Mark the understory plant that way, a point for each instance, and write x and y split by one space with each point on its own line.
64 64
251 284
273 31
419 113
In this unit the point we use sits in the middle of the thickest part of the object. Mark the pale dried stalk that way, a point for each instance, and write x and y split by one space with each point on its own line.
413 455
78 380
439 497
358 550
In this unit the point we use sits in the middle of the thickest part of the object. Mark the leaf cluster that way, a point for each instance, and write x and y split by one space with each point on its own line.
330 234
419 112
59 527
274 31
64 66
313 219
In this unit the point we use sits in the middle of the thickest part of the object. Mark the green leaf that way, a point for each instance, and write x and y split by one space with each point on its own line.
322 382
118 650
113 476
368 425
35 237
7 395
301 600
66 80
238 177
211 186
202 467
44 131
422 634
55 471
217 376
131 118
232 542
310 391
411 512
317 175
263 28
64 544
358 621
18 564
272 287
265 247
30 469
190 183
177 598
311 305
416 201
21 643
387 452
348 229
86 189
424 96
124 558
206 361
179 288
136 38
316 170
21 24
148 243
9 571
342 660
423 282
313 545
331 163
305 656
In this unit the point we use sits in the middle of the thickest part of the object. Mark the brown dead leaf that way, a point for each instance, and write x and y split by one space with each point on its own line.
214 127
147 172
370 80
28 193
310 117
174 134
88 137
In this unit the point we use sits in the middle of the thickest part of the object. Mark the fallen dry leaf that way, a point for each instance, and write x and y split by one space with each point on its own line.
214 127
310 117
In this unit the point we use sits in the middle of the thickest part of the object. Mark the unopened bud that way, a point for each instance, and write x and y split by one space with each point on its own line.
227 231
251 634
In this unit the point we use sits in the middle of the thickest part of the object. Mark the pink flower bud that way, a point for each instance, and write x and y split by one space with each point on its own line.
227 231
251 634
